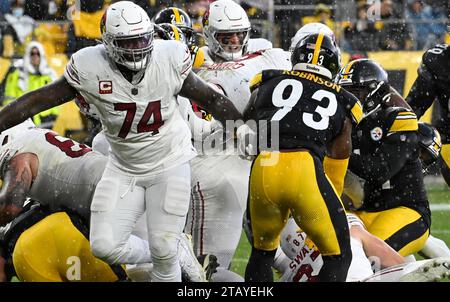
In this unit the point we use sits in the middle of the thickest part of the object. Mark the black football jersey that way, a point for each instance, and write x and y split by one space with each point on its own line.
386 155
433 83
308 109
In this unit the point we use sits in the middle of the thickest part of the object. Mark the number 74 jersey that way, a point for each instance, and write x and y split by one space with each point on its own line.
141 121
310 110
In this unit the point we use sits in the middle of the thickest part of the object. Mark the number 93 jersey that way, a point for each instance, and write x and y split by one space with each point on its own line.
141 121
309 109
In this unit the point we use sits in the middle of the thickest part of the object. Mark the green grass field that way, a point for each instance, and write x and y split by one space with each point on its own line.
438 195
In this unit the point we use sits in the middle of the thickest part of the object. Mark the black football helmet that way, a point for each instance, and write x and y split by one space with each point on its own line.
361 77
167 31
180 19
430 144
317 49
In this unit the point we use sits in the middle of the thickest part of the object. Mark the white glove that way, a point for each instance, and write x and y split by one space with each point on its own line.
246 141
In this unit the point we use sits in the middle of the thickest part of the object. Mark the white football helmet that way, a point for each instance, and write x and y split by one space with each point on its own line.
127 34
310 29
226 17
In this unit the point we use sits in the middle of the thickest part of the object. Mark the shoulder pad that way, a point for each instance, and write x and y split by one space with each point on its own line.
401 119
435 61
264 76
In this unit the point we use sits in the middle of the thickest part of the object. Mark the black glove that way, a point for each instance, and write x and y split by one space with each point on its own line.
381 94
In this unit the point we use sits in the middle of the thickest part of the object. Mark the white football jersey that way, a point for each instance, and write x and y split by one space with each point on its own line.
234 77
141 121
307 261
68 171
253 46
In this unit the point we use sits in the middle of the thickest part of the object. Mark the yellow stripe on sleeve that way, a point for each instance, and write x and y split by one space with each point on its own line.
357 112
408 124
255 81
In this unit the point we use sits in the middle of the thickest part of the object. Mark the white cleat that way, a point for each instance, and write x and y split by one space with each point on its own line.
432 270
190 267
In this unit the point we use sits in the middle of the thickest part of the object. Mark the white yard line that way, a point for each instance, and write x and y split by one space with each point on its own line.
440 207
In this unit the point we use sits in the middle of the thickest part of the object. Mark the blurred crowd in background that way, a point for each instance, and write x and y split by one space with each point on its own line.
64 26
61 27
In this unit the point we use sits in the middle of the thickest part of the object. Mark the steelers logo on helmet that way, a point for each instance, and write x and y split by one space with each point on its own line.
127 34
317 53
180 19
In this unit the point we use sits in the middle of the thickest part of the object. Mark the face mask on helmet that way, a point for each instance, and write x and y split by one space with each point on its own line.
168 31
127 34
232 43
361 77
226 29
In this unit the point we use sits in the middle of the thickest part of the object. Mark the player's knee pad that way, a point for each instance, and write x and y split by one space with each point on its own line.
106 250
164 245
164 249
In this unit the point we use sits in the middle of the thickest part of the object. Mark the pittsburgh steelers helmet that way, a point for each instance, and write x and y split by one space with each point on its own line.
167 31
361 77
317 53
180 19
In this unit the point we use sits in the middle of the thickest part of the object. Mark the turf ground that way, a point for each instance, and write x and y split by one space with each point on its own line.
438 195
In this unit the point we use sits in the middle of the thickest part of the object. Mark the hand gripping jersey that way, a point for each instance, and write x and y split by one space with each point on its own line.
385 154
68 172
433 83
141 121
234 77
310 110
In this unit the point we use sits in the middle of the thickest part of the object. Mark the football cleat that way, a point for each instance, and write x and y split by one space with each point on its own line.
191 269
209 264
432 270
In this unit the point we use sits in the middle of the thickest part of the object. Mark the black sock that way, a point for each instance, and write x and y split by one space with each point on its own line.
335 268
259 267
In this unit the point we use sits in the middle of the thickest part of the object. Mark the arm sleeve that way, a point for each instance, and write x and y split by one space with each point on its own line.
387 160
421 95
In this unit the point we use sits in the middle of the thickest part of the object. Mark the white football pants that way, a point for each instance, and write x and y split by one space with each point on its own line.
119 201
218 201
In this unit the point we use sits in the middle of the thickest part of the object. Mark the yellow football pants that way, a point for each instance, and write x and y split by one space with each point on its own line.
294 183
53 250
402 228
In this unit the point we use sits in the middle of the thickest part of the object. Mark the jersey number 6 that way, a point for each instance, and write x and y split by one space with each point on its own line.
295 96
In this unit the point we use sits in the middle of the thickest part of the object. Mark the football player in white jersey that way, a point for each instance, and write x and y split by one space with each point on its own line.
300 260
227 33
133 81
61 175
219 176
